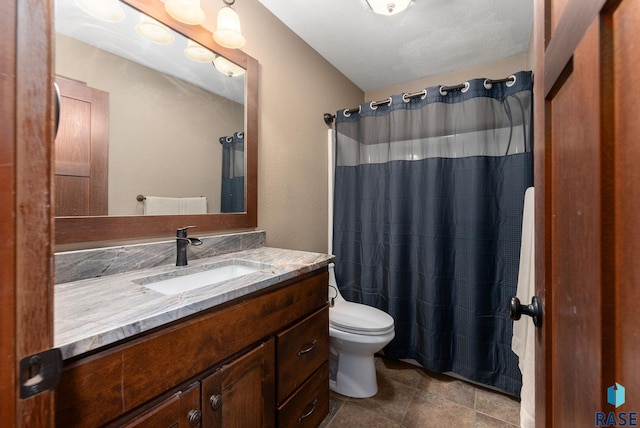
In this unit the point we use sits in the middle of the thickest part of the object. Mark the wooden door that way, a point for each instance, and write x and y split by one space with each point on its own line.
587 176
82 150
242 393
26 247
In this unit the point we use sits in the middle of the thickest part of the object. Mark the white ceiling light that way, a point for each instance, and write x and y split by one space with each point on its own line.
228 32
197 52
227 67
153 30
107 10
185 11
388 7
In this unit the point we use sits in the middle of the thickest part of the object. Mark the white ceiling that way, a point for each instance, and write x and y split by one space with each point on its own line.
430 37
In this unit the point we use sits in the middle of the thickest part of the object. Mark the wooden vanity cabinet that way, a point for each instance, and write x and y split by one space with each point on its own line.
238 394
226 367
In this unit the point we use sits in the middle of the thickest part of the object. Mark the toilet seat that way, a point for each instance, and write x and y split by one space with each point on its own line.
360 319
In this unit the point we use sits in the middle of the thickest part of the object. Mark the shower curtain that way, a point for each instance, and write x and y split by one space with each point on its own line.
428 204
232 195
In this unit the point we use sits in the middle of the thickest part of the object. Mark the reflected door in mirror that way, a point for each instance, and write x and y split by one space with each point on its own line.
81 150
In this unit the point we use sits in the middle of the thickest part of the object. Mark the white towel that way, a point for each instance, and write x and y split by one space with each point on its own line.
193 205
523 340
156 205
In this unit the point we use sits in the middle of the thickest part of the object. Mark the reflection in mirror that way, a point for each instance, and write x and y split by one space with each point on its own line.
144 111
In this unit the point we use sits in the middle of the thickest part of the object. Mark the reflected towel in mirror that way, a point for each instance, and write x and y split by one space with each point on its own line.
157 205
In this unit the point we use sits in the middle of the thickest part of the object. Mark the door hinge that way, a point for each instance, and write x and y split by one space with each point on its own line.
40 372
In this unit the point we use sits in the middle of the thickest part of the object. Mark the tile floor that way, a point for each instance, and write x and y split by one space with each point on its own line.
409 396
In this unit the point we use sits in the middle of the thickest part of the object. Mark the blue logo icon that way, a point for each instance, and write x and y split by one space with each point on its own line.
615 395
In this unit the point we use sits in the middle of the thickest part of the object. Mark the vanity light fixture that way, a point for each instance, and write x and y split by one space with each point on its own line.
228 32
388 7
186 11
197 52
153 30
106 10
227 67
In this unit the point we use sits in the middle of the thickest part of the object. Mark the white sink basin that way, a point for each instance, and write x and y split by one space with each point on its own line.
181 281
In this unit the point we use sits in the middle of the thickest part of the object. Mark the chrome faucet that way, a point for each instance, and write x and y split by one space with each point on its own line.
181 244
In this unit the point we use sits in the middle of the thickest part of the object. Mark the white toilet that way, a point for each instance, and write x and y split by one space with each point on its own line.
356 332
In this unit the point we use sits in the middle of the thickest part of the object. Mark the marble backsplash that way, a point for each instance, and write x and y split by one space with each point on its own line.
93 263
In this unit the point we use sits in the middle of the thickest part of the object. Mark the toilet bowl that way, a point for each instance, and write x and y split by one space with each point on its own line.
356 333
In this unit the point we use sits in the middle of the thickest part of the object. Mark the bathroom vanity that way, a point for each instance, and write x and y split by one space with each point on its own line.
140 350
249 352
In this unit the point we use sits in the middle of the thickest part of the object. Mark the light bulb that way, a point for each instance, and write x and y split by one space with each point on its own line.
197 52
106 10
227 67
388 7
228 32
153 30
185 11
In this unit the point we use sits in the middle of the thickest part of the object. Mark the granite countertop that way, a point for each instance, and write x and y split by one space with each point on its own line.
95 312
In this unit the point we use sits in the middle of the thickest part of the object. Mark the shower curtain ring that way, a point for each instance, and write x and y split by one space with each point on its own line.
406 97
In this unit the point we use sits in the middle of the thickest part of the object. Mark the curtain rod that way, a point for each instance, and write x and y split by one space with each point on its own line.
328 117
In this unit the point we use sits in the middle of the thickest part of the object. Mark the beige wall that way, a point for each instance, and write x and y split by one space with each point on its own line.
296 87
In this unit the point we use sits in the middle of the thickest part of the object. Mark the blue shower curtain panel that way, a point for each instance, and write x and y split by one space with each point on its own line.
232 187
435 241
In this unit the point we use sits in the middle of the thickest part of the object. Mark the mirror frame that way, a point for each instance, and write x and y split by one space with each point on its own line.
70 230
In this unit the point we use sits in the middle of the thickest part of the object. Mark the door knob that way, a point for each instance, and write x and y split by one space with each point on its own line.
57 90
534 310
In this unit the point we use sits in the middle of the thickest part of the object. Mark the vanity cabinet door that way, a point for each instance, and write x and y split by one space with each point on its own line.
181 410
241 394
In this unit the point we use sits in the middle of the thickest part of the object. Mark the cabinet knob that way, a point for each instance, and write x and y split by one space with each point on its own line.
215 401
194 417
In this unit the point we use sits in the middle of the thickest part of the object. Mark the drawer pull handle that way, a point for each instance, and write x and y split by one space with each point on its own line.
306 415
309 349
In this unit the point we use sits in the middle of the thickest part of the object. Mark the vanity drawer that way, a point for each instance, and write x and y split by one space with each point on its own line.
310 404
301 349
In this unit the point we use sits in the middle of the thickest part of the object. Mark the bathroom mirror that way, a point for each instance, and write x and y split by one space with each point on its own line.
228 104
